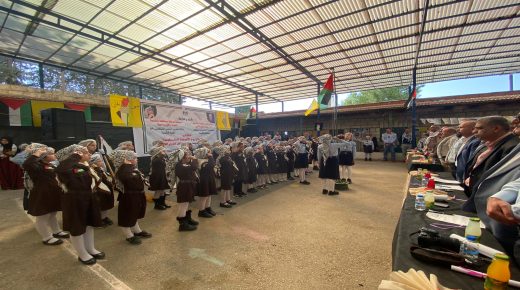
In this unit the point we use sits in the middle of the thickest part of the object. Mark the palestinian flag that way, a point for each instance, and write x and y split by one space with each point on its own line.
323 98
18 112
84 108
326 92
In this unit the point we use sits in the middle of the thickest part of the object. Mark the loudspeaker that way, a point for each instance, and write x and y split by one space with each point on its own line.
249 130
63 124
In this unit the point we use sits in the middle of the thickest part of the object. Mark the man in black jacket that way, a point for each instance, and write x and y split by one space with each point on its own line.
497 142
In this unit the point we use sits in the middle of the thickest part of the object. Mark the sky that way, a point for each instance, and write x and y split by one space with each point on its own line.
487 84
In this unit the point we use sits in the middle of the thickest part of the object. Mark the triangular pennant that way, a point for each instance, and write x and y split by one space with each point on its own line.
76 107
13 103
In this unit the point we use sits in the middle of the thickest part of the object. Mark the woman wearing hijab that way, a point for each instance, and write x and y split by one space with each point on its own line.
132 200
105 197
80 207
227 170
185 171
44 193
11 175
328 163
158 179
206 186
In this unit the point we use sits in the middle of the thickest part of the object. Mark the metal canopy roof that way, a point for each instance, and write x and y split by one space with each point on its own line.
228 51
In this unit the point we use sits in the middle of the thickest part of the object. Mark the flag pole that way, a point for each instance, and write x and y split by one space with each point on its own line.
335 115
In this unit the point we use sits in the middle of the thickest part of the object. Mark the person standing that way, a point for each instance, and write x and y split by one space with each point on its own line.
390 140
45 193
238 158
227 170
406 142
263 169
105 197
346 158
328 162
252 168
302 159
80 207
132 200
207 185
368 148
449 137
158 179
11 175
291 158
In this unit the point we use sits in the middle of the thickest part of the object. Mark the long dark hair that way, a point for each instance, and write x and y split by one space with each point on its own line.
9 146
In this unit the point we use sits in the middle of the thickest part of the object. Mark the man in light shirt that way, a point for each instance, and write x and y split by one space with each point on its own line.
449 137
389 139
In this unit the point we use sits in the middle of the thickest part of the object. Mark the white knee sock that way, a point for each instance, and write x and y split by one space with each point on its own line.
53 223
128 232
324 184
228 195
42 227
182 208
104 214
78 242
331 184
88 237
208 202
136 229
349 172
202 202
223 196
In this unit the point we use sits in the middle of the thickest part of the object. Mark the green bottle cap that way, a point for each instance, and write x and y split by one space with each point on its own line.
474 219
501 256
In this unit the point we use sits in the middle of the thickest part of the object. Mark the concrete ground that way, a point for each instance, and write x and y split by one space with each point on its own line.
287 237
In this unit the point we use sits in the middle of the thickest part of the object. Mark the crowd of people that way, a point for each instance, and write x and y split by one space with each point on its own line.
484 156
84 182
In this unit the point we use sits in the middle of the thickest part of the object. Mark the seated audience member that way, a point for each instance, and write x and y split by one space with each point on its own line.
430 145
449 137
471 142
492 182
498 141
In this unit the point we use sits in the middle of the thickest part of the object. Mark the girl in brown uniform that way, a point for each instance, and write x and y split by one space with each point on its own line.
80 208
132 200
185 171
206 186
158 179
105 194
45 193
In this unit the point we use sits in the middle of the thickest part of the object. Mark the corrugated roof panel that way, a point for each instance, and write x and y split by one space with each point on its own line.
179 31
156 21
35 51
109 22
129 9
204 19
215 50
108 50
223 68
239 42
137 33
195 57
181 9
159 41
179 50
47 32
224 32
200 42
69 8
62 59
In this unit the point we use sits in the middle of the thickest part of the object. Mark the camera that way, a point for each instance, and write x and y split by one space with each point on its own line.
431 239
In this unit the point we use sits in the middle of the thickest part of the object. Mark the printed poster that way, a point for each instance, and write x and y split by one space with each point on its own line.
38 106
125 111
176 125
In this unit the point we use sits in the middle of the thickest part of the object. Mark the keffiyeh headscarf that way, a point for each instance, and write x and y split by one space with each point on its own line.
95 158
118 157
124 145
201 153
68 151
155 151
325 140
217 143
249 151
86 142
33 147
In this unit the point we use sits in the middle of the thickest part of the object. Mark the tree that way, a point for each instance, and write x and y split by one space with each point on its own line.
378 96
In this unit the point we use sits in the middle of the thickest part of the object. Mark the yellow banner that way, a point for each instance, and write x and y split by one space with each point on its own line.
223 121
125 111
38 106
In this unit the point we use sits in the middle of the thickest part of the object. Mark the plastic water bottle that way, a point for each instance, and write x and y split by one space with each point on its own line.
470 250
419 202
473 229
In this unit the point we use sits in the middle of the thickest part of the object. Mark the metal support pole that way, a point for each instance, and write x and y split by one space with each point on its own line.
414 117
282 108
40 75
210 105
318 118
256 107
511 82
140 92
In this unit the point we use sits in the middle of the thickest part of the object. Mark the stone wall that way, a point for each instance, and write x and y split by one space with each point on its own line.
21 92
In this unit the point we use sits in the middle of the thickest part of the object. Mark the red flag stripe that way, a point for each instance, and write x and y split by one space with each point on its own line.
329 84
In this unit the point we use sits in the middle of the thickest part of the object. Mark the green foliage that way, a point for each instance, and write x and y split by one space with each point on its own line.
378 96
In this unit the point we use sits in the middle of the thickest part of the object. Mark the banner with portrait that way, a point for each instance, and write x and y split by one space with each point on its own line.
176 125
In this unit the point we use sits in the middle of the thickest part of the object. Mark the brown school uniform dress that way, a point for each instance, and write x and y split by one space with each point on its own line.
207 185
227 172
187 184
45 196
105 198
158 180
132 202
79 205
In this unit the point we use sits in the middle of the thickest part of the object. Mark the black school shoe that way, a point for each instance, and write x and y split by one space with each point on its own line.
61 235
204 214
349 181
55 243
107 222
325 191
134 240
210 211
226 205
305 182
231 202
333 193
143 234
90 261
99 256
